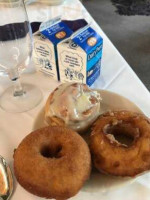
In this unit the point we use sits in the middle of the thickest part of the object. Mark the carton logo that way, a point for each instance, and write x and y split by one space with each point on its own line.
94 52
60 35
42 37
73 45
92 41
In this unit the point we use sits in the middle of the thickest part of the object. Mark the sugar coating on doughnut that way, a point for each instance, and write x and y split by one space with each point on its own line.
53 162
113 157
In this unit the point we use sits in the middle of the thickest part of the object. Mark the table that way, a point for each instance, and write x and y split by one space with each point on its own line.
116 76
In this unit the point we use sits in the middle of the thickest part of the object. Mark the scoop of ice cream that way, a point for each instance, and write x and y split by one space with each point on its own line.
74 103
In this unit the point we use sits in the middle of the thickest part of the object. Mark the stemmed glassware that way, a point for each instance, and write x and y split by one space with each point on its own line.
15 56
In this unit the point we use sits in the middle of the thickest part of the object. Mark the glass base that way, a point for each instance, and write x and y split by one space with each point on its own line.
17 104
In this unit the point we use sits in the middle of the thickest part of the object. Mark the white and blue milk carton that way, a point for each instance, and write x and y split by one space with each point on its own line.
80 57
45 46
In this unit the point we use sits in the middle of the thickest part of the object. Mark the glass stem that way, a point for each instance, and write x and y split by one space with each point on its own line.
14 76
18 90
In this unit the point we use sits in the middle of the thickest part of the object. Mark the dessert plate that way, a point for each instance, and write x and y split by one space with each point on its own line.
100 182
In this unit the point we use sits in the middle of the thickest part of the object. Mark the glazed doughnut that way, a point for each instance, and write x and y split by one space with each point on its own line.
73 105
53 162
113 157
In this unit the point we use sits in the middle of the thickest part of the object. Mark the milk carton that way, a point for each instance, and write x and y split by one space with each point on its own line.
80 57
45 42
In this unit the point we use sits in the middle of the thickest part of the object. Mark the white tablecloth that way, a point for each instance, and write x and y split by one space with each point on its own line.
116 76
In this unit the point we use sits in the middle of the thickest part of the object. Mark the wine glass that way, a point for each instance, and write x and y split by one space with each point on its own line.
15 56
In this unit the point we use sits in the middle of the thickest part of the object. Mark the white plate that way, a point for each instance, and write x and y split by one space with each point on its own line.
99 182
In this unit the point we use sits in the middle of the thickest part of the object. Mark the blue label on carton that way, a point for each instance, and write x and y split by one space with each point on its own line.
94 55
92 43
87 39
57 32
93 73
